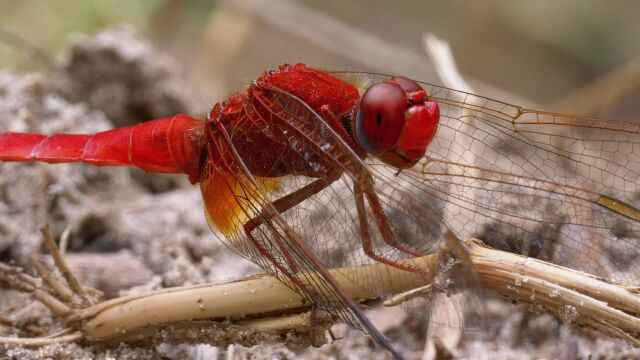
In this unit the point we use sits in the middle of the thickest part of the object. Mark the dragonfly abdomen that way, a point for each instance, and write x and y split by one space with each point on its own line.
169 145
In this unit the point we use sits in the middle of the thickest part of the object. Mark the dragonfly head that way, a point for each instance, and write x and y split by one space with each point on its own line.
396 121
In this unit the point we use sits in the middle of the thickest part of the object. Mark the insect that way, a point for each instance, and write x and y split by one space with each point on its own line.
306 171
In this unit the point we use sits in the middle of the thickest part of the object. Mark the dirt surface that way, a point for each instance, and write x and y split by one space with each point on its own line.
132 232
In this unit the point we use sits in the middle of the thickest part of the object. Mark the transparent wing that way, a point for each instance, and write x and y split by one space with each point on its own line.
565 188
558 187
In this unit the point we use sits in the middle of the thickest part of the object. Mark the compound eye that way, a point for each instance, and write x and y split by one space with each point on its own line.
406 84
381 117
414 91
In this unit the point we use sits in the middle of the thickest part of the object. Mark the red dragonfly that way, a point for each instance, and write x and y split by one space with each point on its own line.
308 170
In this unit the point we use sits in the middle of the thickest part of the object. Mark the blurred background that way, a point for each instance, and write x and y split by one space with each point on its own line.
543 53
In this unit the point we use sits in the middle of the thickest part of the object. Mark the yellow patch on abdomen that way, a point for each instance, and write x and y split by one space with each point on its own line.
231 200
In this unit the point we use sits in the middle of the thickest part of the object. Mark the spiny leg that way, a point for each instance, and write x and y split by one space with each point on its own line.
315 337
367 245
383 224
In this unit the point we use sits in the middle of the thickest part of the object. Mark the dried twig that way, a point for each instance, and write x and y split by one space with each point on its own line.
446 68
580 298
268 304
41 341
63 292
574 296
59 261
64 240
12 277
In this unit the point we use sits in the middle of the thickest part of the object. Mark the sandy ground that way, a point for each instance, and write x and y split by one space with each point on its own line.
132 232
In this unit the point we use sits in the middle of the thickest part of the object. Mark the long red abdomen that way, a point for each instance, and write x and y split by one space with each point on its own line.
169 145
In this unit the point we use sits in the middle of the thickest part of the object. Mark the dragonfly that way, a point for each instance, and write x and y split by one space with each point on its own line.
308 170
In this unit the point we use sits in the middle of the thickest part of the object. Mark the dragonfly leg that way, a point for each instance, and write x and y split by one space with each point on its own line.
367 245
315 337
383 224
381 219
337 126
283 204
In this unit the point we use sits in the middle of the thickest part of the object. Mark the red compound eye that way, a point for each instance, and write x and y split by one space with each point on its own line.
381 117
407 85
396 122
